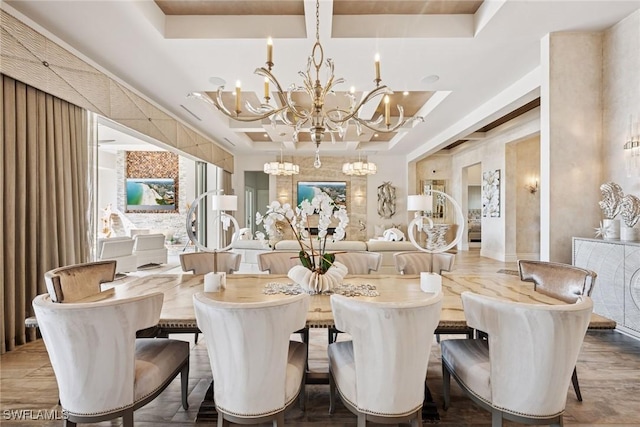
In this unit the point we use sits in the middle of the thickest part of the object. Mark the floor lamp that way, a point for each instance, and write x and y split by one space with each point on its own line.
220 203
424 203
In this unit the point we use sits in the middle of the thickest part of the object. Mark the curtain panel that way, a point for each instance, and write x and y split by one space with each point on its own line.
44 216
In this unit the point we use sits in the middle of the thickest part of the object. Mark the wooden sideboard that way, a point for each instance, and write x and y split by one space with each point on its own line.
616 294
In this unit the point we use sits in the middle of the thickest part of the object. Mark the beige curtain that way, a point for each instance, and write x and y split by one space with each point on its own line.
45 204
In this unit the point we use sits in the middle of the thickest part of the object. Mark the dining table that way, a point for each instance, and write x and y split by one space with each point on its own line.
178 314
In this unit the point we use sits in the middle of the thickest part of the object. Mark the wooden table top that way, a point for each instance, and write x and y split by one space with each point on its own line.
178 289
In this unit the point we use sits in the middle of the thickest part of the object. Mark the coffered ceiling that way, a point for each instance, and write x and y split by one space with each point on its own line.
460 65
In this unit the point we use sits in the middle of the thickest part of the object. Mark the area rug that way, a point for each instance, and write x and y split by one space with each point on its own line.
317 409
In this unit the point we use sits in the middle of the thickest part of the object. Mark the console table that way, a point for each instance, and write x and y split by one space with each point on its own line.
616 294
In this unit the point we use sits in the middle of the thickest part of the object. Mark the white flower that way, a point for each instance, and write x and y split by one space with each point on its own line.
297 218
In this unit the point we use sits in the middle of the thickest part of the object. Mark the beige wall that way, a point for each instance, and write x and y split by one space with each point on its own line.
570 140
621 97
527 222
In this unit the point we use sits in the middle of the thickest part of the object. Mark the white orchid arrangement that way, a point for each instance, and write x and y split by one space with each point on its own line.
298 220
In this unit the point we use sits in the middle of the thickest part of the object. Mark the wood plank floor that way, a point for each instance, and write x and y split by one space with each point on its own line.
608 369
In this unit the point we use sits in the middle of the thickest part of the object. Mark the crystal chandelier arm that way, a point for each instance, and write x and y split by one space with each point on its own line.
285 100
218 105
401 122
352 114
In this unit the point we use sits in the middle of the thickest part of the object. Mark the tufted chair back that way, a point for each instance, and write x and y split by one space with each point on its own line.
416 262
210 262
561 281
360 262
277 262
75 282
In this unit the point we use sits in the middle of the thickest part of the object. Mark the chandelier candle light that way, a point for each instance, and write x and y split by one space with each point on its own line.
316 117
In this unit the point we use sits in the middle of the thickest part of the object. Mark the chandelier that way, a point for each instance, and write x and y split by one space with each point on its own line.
359 168
316 117
281 168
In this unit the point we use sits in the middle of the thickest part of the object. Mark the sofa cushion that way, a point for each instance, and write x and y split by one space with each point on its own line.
250 244
341 245
387 246
146 242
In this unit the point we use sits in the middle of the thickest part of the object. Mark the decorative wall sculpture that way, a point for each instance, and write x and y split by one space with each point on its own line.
491 193
386 200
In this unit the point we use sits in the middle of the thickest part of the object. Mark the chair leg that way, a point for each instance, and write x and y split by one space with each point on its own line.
222 422
362 420
184 384
417 421
69 423
278 420
332 394
438 338
496 418
576 386
446 387
127 418
196 338
303 393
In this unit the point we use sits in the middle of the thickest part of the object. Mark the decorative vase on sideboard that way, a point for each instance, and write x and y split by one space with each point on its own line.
612 227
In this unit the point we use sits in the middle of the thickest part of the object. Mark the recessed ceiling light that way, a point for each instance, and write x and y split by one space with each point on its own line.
405 93
375 135
430 79
217 81
266 135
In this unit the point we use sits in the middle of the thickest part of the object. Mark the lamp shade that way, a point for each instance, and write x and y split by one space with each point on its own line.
419 202
224 202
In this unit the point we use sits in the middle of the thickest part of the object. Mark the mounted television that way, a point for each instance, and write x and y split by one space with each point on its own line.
337 190
150 194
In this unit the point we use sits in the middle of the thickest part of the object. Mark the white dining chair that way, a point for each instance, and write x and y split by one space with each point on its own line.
522 371
209 262
561 281
75 282
416 262
102 370
360 262
277 262
380 373
257 371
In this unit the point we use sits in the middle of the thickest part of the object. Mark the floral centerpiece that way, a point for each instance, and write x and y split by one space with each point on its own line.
319 272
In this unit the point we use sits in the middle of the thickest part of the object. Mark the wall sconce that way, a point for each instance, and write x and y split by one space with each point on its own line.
532 186
283 197
632 150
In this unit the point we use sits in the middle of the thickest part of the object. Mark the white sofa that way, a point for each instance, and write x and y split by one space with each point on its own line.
249 249
119 249
149 249
387 249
